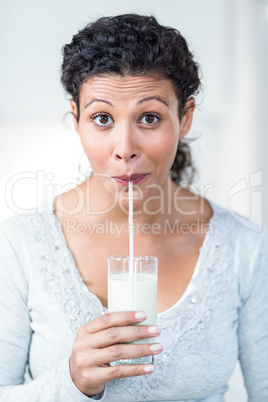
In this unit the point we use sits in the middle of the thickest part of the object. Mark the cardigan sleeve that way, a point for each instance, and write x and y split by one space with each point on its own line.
15 339
253 321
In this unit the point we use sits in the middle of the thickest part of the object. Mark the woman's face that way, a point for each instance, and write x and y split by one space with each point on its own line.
129 128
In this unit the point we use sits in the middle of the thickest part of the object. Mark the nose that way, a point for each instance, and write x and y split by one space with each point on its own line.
126 146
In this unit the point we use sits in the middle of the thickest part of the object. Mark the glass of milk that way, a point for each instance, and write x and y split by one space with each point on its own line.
132 286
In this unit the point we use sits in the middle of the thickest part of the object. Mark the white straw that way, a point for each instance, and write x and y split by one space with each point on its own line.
130 224
130 218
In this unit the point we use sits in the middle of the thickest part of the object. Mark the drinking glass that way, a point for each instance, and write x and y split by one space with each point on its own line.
132 286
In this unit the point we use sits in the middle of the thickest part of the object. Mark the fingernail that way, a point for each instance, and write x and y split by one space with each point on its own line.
149 369
140 315
156 347
154 329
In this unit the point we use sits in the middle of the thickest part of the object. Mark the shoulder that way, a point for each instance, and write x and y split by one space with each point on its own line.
20 231
245 245
243 231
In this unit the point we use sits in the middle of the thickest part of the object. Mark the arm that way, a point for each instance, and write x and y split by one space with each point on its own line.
15 338
98 342
253 322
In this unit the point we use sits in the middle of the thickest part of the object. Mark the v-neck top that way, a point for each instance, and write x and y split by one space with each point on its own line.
221 316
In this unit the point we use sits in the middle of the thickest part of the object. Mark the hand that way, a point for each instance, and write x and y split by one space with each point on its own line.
104 340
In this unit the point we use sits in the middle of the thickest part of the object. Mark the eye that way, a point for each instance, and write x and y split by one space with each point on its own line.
102 119
149 119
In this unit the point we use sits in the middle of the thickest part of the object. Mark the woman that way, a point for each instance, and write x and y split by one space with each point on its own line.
132 84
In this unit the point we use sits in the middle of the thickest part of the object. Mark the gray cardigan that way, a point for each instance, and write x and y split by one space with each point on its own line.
222 316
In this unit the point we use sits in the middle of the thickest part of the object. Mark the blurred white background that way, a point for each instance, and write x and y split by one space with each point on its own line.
39 156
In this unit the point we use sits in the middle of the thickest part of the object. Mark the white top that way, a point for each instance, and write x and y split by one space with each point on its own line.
222 316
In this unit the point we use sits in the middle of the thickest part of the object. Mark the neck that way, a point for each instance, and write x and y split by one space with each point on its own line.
100 206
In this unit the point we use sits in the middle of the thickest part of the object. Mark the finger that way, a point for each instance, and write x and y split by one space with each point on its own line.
115 319
123 351
116 372
101 375
125 334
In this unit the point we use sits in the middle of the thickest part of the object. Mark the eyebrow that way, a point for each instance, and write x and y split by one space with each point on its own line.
98 100
152 98
138 103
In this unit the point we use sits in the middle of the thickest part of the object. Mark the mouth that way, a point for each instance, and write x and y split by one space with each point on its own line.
135 178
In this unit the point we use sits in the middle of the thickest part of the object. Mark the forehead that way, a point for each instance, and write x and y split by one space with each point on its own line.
127 88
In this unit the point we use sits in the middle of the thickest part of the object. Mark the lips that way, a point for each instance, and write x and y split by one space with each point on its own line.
136 178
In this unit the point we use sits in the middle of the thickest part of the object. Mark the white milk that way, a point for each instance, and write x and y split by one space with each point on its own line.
138 294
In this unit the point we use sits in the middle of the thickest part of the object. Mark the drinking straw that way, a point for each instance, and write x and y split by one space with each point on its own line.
130 224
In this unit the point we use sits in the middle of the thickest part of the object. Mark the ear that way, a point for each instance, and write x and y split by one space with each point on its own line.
75 114
187 117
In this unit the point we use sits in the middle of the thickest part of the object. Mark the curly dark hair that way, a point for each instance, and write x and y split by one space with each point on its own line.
132 44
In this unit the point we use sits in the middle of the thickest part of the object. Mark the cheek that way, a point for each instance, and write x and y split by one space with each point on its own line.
95 150
165 150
